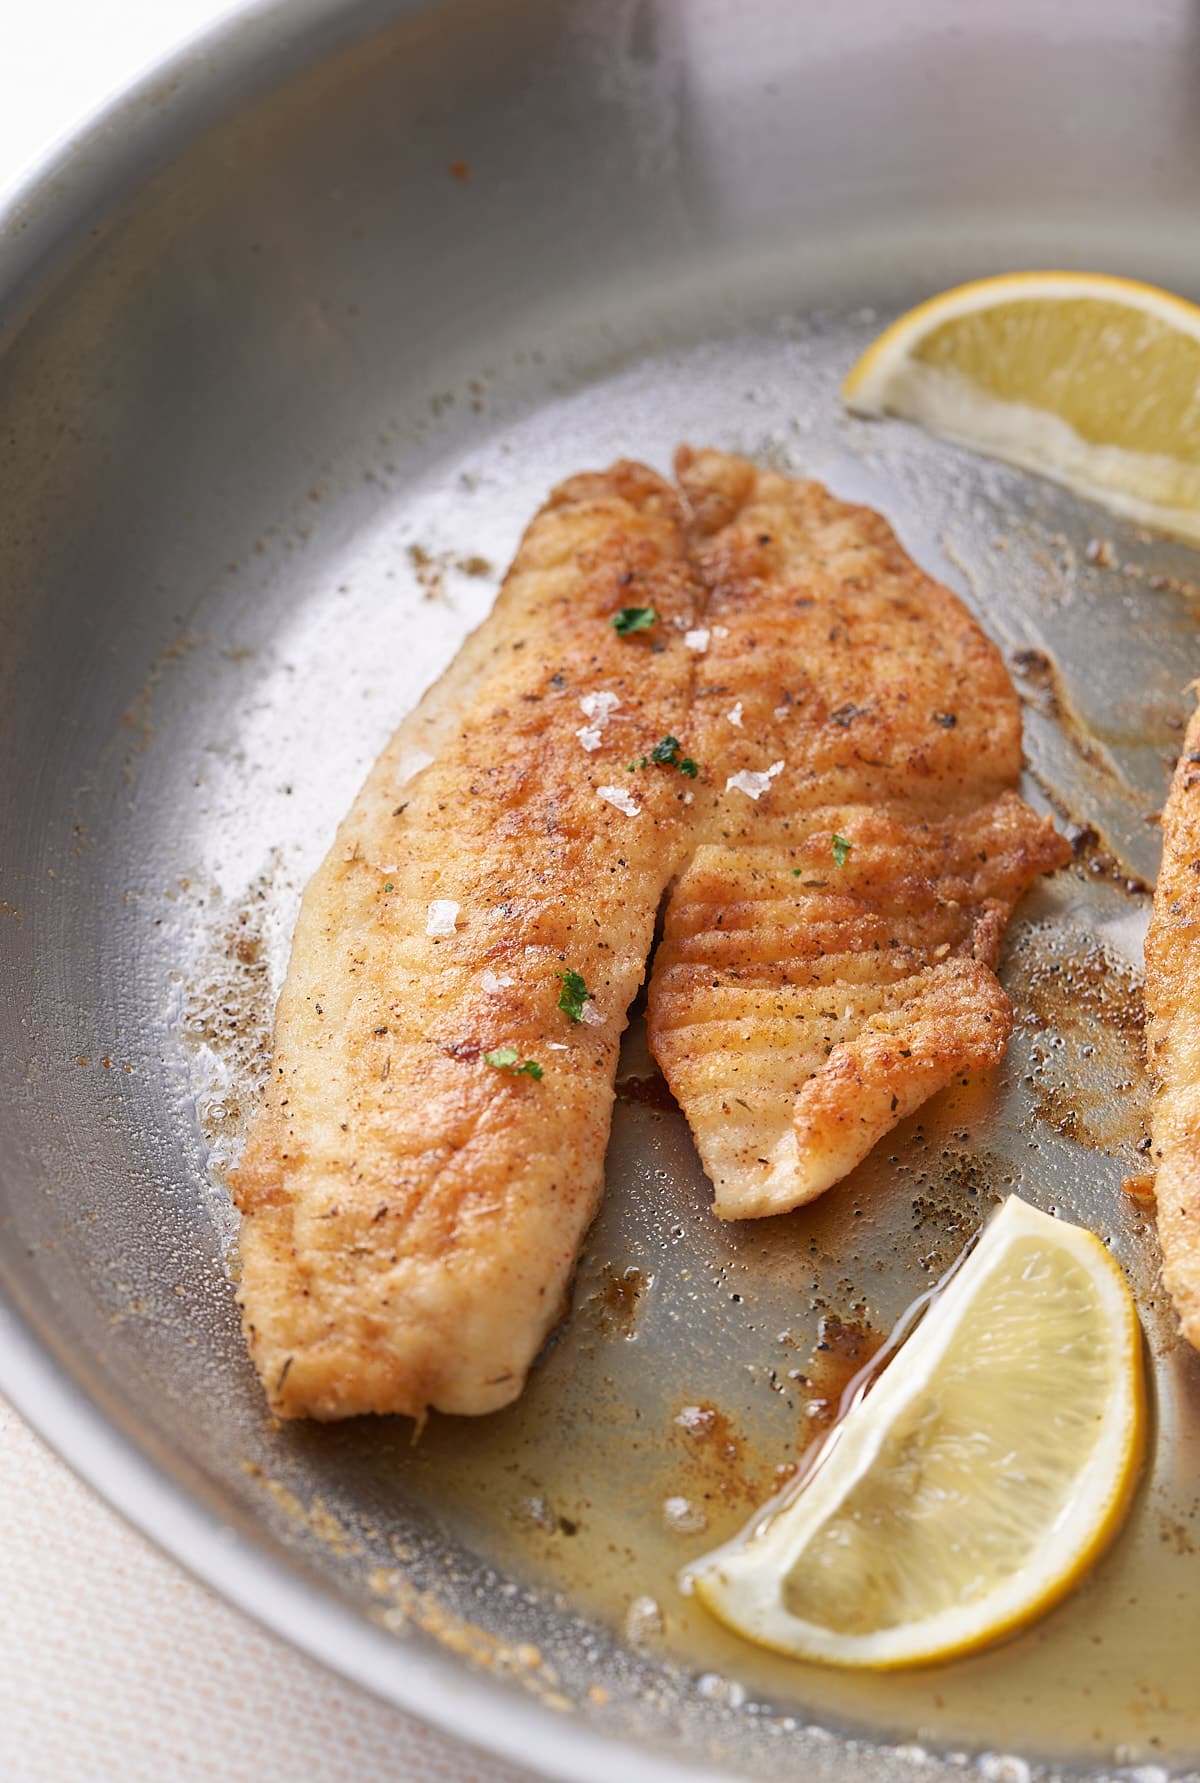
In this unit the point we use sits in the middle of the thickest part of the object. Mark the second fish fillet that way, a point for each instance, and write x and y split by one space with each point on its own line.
829 953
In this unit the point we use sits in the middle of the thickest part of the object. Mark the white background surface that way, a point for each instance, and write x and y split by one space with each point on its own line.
113 1663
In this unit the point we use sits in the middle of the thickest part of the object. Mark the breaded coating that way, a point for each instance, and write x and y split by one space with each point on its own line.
411 1213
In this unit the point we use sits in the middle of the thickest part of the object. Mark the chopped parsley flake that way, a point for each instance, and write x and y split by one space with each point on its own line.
574 994
631 619
667 755
389 886
841 850
796 872
507 1058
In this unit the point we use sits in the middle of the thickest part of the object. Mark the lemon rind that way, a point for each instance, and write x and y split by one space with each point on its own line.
867 380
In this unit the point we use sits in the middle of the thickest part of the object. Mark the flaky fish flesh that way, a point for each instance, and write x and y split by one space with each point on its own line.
829 953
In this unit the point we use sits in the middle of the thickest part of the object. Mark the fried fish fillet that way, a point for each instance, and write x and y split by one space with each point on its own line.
1173 1036
828 959
412 1212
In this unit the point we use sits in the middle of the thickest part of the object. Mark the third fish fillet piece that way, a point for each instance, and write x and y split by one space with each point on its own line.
828 957
1173 1036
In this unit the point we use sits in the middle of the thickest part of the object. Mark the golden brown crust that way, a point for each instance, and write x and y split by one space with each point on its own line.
806 997
1173 1036
412 1214
898 1058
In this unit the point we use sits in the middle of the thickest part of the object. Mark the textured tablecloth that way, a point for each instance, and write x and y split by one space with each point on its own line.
113 1663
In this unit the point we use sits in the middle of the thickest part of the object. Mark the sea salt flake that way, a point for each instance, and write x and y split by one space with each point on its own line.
492 982
698 639
599 706
720 631
735 715
443 917
752 783
621 797
591 1015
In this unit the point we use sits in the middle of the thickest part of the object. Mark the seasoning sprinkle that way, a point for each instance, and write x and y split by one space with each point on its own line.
631 619
507 1058
574 994
842 850
667 755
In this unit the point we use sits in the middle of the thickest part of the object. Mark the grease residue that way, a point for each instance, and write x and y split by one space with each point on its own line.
714 1465
432 568
227 1007
138 718
402 1606
648 1092
1082 1006
614 1305
844 1347
227 1022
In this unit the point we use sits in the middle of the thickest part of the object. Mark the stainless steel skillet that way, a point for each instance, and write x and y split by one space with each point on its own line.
291 343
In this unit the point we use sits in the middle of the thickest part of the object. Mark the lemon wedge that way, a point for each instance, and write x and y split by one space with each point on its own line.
974 1483
1091 380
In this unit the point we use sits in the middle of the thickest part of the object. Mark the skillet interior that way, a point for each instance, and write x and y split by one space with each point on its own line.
306 330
